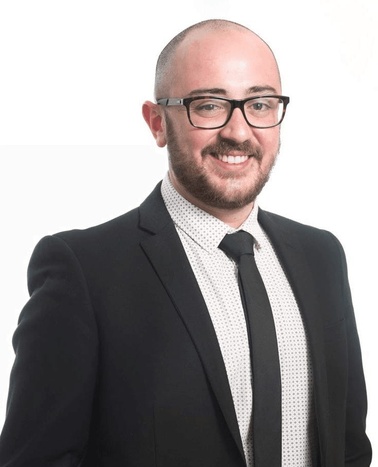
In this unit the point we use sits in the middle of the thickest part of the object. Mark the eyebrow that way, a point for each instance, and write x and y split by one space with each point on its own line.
205 91
221 91
259 89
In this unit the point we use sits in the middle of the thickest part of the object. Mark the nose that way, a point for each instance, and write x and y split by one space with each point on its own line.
236 129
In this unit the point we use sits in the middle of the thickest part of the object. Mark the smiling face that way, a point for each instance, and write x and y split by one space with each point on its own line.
222 169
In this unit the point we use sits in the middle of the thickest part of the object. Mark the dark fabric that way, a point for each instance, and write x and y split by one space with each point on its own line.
266 379
117 362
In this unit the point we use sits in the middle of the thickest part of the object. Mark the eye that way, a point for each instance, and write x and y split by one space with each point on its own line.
208 107
259 106
262 106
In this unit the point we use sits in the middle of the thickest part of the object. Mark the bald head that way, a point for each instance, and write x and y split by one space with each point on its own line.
193 39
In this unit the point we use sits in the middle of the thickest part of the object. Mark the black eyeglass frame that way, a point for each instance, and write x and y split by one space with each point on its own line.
235 104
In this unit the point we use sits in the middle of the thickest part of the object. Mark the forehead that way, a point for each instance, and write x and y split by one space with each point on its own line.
233 60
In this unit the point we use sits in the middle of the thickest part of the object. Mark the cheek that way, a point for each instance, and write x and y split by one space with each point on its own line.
195 141
268 139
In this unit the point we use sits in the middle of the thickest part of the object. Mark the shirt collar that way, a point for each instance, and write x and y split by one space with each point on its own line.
203 228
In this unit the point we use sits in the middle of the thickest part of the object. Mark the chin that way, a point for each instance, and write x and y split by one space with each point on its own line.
229 201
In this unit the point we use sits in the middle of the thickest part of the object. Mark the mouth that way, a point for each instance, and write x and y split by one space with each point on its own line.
232 155
239 159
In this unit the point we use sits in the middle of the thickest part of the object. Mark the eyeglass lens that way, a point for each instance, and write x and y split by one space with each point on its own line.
263 112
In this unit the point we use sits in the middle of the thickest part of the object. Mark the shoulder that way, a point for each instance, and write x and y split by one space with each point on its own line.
83 248
111 241
110 231
126 229
308 237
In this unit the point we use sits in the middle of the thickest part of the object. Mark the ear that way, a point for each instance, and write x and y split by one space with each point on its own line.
154 117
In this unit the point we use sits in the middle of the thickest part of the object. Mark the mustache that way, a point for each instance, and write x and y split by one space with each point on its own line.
224 146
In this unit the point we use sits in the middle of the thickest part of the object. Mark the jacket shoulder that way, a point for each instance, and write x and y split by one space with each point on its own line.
133 225
110 230
309 237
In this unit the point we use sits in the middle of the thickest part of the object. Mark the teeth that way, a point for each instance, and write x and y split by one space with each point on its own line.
232 159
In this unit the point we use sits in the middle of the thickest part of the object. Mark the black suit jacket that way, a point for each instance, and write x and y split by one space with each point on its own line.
117 362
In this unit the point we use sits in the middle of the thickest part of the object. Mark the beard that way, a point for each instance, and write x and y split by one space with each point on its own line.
198 180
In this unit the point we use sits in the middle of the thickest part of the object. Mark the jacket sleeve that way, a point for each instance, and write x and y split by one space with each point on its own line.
53 378
357 445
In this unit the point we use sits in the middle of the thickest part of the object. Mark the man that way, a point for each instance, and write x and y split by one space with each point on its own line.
136 348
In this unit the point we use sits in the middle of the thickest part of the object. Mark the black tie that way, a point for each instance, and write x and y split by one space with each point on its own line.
266 378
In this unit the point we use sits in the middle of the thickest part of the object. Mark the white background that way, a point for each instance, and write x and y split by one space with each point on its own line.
75 150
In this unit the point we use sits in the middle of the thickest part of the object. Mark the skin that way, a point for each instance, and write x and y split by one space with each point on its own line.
220 171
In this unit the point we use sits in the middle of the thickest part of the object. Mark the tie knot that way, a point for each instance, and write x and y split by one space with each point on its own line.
237 244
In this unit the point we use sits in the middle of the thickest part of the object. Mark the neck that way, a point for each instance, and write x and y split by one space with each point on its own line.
232 217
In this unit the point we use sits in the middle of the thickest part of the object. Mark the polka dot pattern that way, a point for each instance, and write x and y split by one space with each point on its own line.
216 275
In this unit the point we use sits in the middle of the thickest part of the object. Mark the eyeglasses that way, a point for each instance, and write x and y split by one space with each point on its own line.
210 113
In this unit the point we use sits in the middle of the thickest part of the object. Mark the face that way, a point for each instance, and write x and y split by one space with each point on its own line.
224 168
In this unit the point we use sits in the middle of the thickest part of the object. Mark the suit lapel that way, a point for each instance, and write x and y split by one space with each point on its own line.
289 249
167 256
